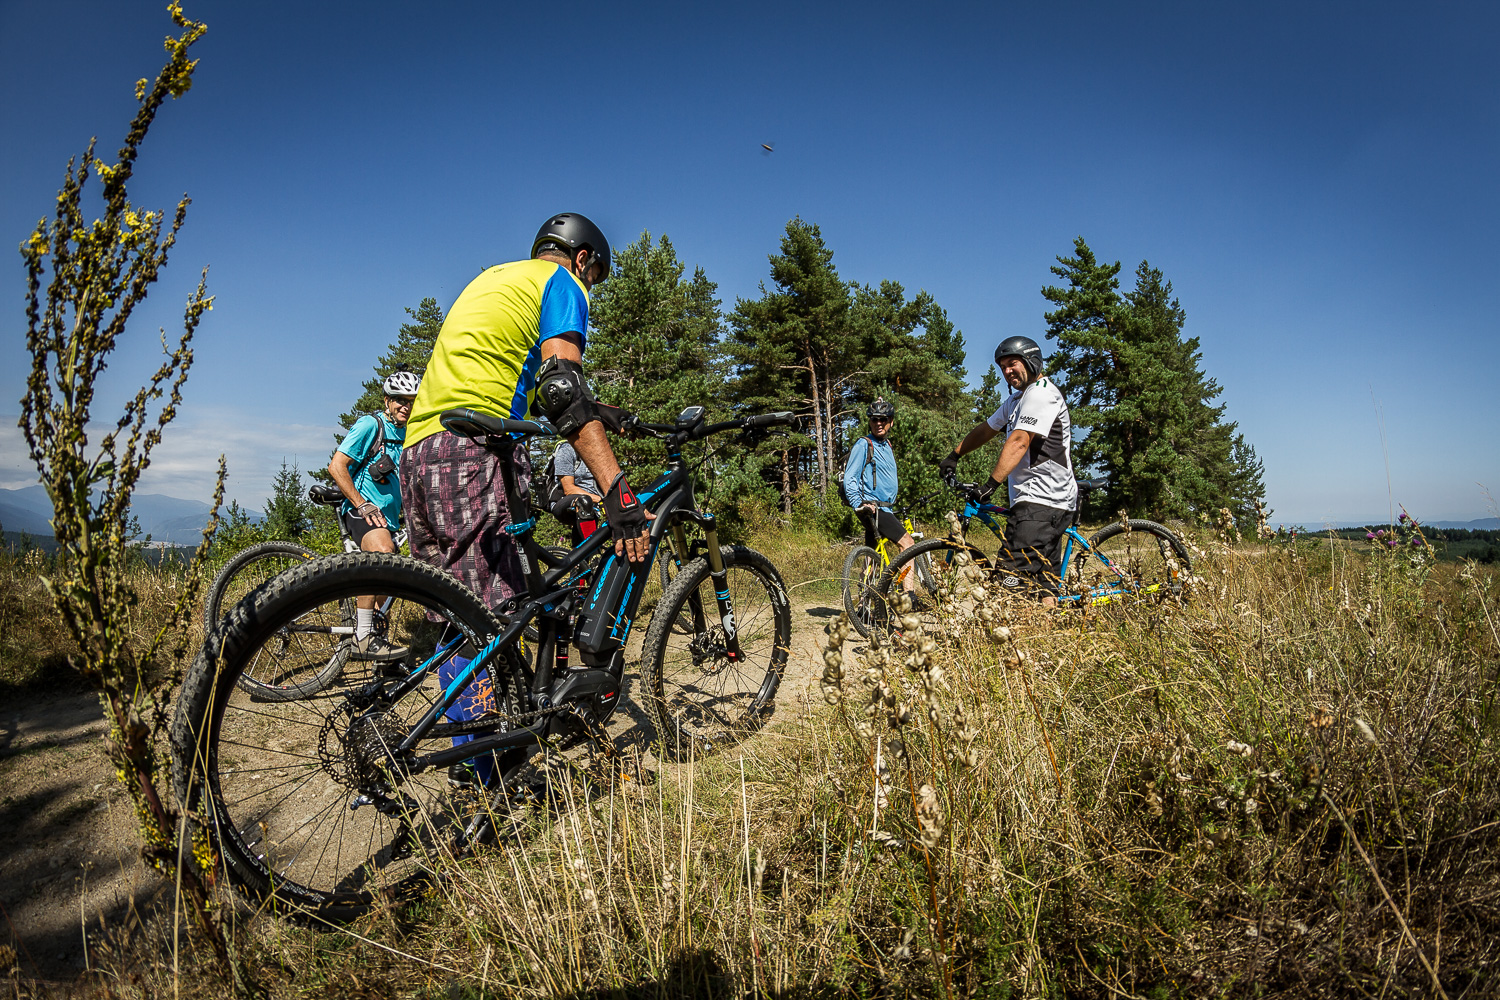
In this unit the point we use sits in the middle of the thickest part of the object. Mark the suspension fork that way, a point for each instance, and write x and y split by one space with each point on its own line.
720 576
679 544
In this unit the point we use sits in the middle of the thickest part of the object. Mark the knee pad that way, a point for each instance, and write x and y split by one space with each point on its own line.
563 397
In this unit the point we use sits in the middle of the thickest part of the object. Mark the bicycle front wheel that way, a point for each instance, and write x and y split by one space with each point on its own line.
308 802
309 654
1134 560
711 683
861 574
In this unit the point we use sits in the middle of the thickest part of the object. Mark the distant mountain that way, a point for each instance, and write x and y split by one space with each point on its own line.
1483 523
165 519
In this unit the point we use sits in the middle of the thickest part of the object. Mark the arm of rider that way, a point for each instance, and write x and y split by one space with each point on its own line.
981 435
1010 457
593 447
570 487
338 468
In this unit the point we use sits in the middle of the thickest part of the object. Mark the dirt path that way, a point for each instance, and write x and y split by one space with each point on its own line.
69 860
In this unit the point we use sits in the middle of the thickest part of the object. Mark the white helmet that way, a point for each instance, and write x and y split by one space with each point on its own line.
401 384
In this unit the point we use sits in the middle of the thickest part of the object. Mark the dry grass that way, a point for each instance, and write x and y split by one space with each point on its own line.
1287 787
35 645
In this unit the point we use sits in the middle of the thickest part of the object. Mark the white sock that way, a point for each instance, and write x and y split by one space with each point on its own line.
364 622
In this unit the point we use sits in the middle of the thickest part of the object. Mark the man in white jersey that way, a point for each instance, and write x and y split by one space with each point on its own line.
1037 458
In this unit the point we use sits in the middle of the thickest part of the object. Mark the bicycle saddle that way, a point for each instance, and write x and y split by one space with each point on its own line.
472 424
321 493
1093 484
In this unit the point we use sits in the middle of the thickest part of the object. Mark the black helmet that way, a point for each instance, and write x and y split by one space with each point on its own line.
1024 348
881 408
577 233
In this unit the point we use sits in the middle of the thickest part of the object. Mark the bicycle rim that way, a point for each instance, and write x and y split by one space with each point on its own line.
247 570
305 655
932 570
280 783
699 698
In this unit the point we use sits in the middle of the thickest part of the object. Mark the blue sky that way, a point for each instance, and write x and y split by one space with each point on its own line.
1317 181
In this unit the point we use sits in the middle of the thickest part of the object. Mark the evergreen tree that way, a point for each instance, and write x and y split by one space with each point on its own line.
288 512
790 350
1136 386
818 345
653 343
990 394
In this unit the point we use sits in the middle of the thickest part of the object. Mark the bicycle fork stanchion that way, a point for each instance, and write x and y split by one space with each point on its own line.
720 576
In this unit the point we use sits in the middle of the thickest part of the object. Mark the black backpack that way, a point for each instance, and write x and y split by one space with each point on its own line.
869 463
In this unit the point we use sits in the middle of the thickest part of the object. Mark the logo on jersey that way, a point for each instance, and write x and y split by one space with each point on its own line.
1027 420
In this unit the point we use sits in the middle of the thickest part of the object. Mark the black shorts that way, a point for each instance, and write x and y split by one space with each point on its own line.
884 522
1031 554
357 527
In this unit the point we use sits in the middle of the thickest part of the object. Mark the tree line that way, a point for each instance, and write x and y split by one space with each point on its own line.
660 339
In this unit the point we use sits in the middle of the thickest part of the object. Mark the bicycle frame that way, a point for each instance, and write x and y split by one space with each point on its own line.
548 599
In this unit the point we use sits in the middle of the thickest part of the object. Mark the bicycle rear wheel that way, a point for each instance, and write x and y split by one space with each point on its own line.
861 574
247 570
1143 561
304 800
700 697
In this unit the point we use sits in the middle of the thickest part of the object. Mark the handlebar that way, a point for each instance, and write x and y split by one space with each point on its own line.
759 421
470 423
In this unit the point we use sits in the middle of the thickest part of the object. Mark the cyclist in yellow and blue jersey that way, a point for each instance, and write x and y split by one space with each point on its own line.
510 346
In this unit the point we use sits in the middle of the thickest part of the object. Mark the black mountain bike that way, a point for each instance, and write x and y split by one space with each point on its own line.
334 801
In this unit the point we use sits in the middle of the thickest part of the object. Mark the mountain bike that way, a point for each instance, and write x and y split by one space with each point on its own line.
335 801
864 567
310 652
1134 560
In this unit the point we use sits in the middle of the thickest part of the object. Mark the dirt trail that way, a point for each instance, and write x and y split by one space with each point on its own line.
69 858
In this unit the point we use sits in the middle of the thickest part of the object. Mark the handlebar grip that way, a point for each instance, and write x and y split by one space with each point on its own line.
472 423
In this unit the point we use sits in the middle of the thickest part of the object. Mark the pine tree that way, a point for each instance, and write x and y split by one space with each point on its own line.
818 345
653 344
990 394
790 349
1136 385
288 512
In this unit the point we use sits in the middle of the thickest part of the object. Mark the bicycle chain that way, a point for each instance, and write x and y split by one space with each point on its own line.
518 721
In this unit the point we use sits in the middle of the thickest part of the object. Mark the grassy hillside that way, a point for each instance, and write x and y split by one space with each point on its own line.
1286 787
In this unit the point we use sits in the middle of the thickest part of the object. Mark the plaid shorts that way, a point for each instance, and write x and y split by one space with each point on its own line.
453 496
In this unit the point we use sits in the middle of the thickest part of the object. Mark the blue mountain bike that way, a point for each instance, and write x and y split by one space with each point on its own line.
340 799
1133 560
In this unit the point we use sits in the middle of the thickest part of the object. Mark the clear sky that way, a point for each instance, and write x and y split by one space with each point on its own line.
1317 181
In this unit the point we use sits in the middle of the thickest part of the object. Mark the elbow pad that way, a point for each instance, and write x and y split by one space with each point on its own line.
563 397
